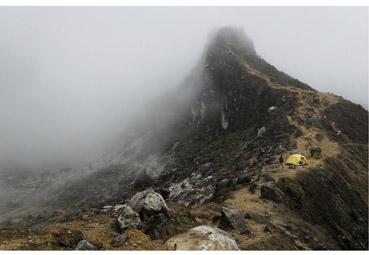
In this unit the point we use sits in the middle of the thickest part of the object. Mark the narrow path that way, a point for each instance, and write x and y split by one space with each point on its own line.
309 135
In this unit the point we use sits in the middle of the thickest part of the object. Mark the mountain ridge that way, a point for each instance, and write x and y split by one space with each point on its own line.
215 143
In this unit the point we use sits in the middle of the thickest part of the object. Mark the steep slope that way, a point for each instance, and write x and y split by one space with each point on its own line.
215 141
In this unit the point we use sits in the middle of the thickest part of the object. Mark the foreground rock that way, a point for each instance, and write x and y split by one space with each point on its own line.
202 238
128 219
148 211
148 200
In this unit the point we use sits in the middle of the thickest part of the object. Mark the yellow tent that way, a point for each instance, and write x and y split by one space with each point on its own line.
297 160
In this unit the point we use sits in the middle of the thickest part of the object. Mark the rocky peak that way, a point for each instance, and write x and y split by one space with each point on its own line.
231 39
232 95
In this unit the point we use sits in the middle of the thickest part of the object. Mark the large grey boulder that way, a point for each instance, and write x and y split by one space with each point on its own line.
202 238
128 218
148 200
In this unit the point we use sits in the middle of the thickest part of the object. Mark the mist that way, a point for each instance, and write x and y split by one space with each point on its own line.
72 78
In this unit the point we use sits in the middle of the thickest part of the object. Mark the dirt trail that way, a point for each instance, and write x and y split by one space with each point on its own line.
310 136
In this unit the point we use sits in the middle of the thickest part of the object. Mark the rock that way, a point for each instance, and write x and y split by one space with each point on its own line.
154 202
192 191
202 238
149 201
268 229
272 109
150 213
271 192
119 240
256 216
128 219
234 220
84 245
158 226
136 202
261 131
244 179
66 238
315 152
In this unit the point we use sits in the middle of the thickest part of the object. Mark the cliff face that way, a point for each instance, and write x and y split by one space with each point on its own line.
215 142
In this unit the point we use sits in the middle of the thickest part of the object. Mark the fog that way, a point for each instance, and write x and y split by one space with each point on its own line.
71 78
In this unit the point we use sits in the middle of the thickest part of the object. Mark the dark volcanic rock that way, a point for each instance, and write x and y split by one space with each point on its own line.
271 192
234 220
159 226
192 191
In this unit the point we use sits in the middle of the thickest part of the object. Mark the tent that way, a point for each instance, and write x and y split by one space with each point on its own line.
297 160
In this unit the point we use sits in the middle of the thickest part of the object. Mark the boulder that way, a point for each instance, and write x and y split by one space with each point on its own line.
234 220
84 245
244 179
128 218
148 200
154 202
271 192
152 212
202 238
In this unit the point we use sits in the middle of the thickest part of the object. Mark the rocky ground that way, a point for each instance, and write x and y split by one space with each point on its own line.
210 179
